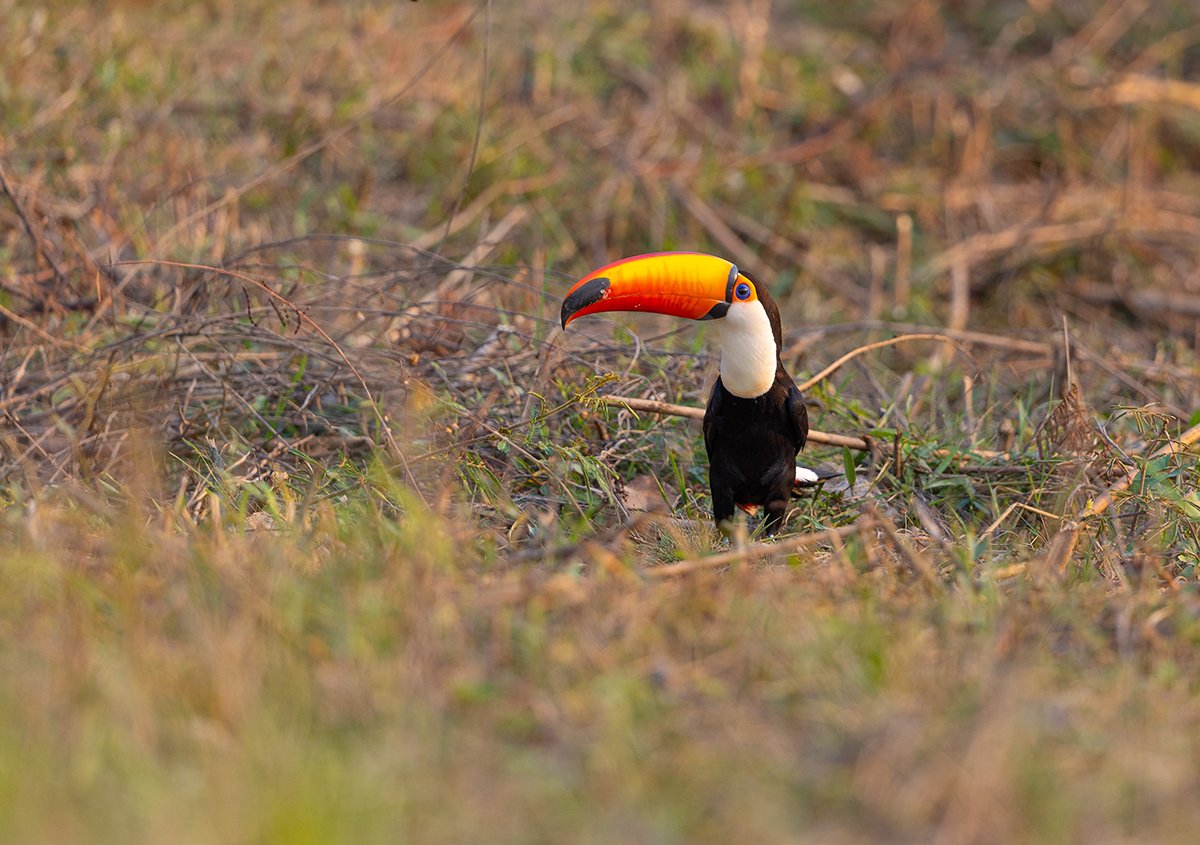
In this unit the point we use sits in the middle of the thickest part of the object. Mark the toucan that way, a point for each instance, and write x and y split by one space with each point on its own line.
755 422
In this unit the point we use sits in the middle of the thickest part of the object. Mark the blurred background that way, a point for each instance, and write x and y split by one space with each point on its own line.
421 181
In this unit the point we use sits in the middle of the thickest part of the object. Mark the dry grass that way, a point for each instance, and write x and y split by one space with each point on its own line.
315 527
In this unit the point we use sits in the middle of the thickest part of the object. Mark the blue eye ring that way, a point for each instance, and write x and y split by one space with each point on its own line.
742 291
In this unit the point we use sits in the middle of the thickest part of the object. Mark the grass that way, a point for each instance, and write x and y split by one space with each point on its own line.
312 524
361 678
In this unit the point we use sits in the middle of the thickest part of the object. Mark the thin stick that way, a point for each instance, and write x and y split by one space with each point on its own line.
871 347
465 269
751 227
825 438
980 248
653 406
916 564
801 152
485 200
1168 301
1142 89
1008 511
1062 547
969 338
6 314
755 550
37 242
719 230
1105 499
483 80
321 143
903 285
315 326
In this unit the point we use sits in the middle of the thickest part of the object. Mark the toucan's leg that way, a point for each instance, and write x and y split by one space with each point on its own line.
776 507
776 511
722 498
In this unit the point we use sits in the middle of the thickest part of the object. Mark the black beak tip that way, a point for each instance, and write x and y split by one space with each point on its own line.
586 294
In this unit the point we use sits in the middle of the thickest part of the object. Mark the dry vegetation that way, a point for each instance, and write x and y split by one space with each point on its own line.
315 528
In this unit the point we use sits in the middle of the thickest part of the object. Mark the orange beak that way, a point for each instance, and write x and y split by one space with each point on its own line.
682 284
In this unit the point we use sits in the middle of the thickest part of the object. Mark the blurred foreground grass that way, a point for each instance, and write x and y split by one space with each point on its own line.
313 529
362 678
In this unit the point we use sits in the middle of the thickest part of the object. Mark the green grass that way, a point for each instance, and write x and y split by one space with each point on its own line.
363 678
312 528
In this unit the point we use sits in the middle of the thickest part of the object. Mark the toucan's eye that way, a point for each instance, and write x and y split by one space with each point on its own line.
742 291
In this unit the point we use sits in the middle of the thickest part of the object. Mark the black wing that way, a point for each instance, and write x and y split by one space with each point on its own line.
798 414
719 480
711 414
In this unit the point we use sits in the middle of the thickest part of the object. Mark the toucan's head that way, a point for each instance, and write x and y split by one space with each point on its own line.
698 287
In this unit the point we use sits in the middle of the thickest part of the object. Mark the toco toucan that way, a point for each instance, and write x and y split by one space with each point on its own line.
755 422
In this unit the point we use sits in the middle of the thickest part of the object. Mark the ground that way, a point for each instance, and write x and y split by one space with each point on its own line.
315 527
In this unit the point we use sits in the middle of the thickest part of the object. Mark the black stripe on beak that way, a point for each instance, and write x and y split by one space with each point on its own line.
587 294
730 284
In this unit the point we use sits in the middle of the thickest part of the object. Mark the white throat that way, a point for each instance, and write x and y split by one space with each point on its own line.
748 353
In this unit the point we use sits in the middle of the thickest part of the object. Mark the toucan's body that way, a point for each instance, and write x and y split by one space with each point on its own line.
756 421
758 470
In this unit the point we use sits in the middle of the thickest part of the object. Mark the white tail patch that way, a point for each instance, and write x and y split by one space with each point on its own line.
804 475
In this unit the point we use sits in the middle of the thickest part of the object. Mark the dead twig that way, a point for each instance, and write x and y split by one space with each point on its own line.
902 291
756 550
1173 302
1140 89
987 532
485 201
968 338
1062 547
824 438
38 245
916 562
871 347
465 269
6 314
980 248
309 150
653 406
719 230
393 446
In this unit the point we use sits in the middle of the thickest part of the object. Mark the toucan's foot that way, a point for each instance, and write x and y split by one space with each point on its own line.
735 530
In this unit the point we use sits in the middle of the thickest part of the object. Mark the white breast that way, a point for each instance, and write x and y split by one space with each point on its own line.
748 354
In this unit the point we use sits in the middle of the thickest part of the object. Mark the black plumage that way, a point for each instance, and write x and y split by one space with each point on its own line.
752 442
